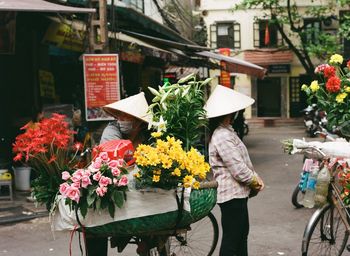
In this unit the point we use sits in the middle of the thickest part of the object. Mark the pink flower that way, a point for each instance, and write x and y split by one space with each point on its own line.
73 193
97 163
104 156
97 176
78 174
113 164
63 188
115 181
320 68
104 181
65 175
123 181
120 162
116 171
76 184
85 181
101 191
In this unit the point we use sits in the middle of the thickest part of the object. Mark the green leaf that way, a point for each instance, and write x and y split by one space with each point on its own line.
83 208
111 209
118 198
91 198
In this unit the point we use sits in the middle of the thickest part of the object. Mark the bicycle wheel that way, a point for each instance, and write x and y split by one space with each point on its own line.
200 240
325 234
297 197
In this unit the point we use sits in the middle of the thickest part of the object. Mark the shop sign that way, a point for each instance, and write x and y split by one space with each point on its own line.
64 36
101 81
47 84
130 56
224 75
279 69
7 32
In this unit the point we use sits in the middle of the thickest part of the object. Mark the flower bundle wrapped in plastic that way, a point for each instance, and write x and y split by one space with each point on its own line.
179 120
48 149
332 91
167 165
100 186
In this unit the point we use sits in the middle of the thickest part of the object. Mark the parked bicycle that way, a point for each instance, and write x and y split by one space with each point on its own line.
299 190
327 231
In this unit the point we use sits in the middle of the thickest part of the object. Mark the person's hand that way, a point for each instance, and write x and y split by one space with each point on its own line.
261 183
256 186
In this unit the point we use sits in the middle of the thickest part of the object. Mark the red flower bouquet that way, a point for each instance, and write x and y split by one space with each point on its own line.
48 149
331 91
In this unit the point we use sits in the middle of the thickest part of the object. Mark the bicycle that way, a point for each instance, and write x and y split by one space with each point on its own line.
175 233
328 229
298 193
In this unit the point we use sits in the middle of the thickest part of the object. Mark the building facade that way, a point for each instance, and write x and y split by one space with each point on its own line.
249 36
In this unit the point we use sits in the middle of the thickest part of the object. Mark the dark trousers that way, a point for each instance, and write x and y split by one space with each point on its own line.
235 227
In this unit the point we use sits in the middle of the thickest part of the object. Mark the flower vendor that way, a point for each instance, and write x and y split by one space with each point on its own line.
131 115
232 168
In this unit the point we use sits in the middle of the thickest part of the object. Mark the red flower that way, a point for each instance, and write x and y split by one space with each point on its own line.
52 159
78 146
329 71
348 64
333 84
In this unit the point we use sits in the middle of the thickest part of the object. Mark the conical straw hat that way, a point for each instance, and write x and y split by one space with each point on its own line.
223 101
135 105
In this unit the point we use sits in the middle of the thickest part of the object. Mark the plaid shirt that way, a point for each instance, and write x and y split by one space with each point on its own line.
231 165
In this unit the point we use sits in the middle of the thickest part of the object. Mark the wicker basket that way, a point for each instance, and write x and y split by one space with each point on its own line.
202 202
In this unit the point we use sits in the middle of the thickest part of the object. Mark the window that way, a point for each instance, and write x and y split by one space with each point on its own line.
137 5
312 30
225 35
266 35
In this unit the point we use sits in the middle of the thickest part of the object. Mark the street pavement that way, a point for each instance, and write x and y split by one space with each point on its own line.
276 227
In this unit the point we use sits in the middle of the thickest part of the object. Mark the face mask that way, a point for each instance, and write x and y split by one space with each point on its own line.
125 126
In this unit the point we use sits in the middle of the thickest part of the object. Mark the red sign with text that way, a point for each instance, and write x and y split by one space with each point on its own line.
101 77
225 78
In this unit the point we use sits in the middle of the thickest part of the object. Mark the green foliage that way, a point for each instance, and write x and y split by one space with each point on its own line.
178 112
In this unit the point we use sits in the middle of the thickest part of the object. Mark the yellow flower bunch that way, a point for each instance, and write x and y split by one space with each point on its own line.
165 164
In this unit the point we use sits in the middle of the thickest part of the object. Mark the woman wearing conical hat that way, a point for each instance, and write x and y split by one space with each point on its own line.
131 117
232 169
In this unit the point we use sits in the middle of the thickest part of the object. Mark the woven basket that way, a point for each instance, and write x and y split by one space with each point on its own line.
202 202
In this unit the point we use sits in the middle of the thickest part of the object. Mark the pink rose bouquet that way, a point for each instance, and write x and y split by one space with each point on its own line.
102 185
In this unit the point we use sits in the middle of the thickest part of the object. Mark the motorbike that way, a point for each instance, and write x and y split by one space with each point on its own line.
314 119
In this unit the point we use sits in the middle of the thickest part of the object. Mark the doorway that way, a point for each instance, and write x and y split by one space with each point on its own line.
269 97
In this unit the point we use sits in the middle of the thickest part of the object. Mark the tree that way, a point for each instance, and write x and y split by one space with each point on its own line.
289 19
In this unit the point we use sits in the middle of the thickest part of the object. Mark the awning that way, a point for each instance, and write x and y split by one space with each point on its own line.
168 43
40 6
236 65
267 57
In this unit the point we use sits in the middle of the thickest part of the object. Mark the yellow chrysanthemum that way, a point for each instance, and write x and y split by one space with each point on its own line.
156 178
176 172
314 86
137 175
304 87
156 134
196 185
336 59
188 179
347 88
340 97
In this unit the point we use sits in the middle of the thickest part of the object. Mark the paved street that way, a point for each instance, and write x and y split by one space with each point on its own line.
276 226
